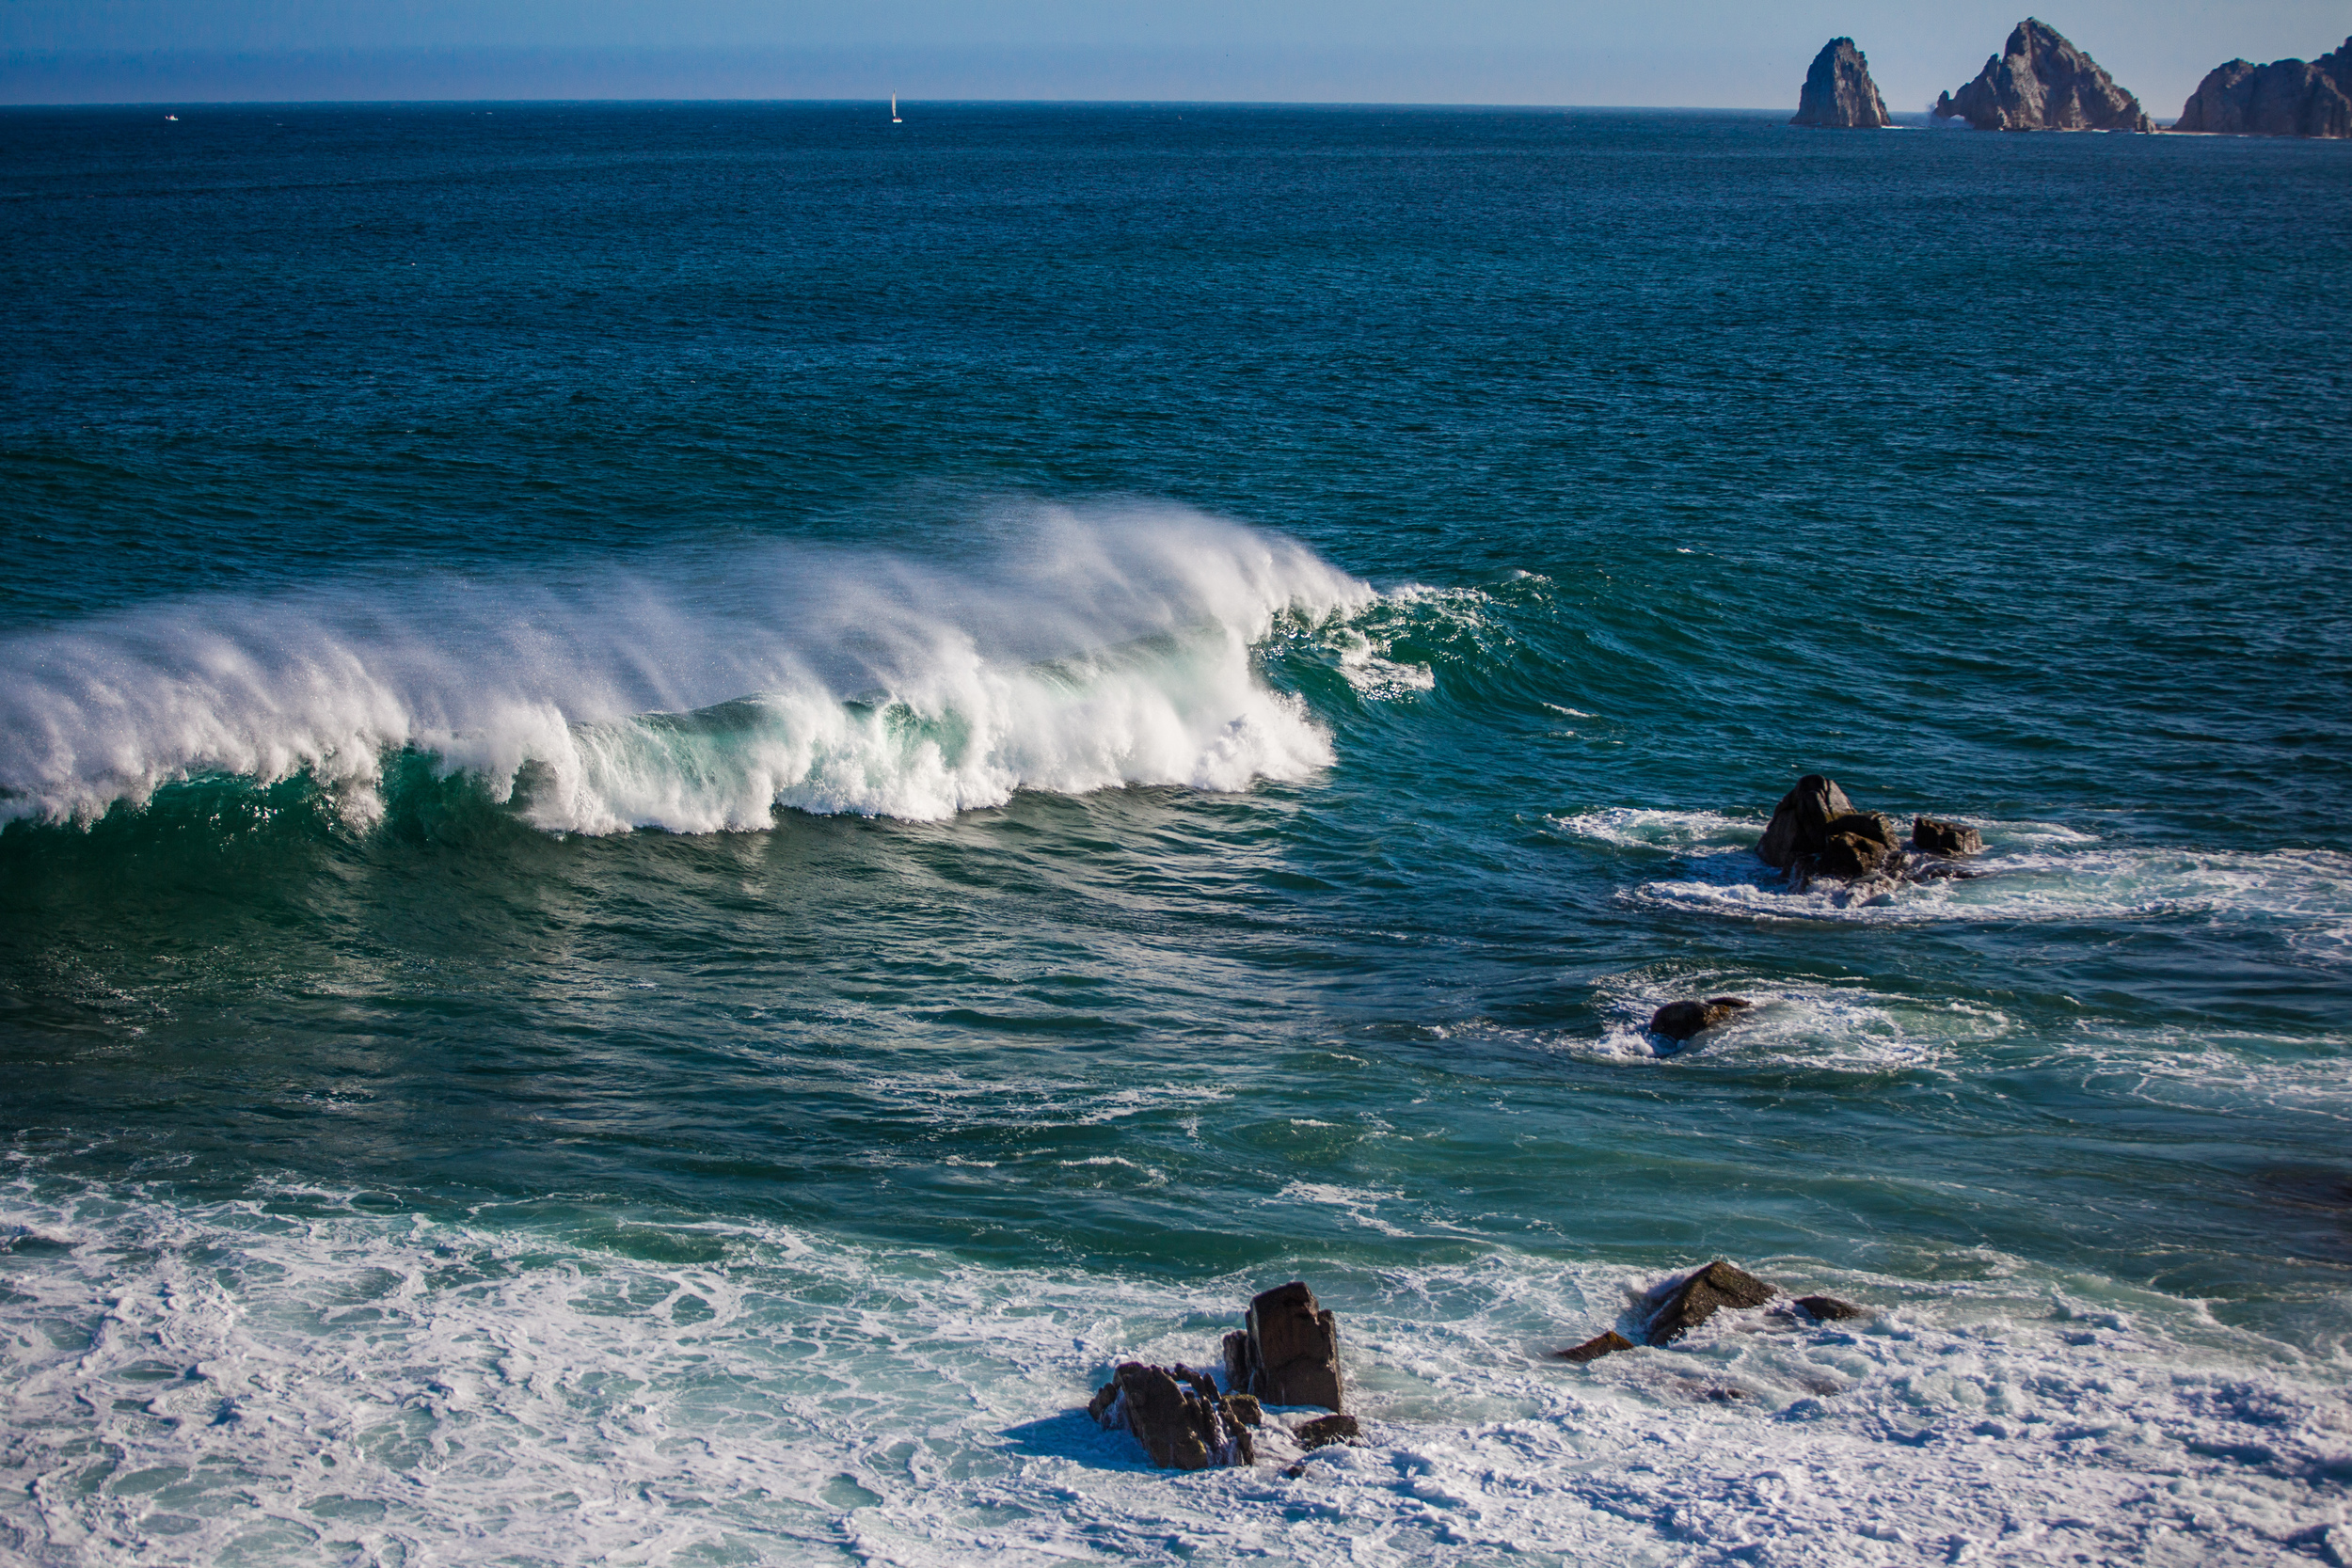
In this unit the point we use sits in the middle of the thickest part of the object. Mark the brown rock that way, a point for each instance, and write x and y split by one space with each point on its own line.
1679 1021
1177 1416
1608 1343
1702 1293
1838 94
1324 1430
1829 1309
1850 855
1290 1352
1798 821
1246 1409
2040 82
1944 838
2285 98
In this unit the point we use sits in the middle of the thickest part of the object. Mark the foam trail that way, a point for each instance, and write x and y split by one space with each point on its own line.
1082 651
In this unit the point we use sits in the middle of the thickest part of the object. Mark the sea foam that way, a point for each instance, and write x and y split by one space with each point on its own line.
1079 650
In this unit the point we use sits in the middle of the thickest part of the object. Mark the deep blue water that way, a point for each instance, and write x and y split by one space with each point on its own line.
703 799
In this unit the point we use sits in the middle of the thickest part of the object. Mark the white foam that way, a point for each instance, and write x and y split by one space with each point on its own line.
1087 651
1821 1024
300 1381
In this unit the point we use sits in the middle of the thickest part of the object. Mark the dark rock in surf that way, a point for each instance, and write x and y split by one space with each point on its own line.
1608 1343
1850 856
1829 1309
1177 1416
2040 82
1799 822
1838 94
1246 1409
1679 1021
1934 837
1289 1354
1699 1296
1324 1430
2285 98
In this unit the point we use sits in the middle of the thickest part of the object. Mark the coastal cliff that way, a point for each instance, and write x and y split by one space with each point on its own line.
2040 82
1838 93
2285 98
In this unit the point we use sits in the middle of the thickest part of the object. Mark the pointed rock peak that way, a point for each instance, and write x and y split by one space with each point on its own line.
2042 81
1838 93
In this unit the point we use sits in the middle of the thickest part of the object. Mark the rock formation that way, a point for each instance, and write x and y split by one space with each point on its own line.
1324 1430
1607 1342
1932 837
1177 1416
1798 821
2039 82
1838 94
1702 1293
2285 98
1679 1021
1829 1309
1290 1352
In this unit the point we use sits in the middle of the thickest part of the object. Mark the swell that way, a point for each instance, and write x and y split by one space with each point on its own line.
1074 651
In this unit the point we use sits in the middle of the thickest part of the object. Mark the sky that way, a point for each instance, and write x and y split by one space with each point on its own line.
1718 53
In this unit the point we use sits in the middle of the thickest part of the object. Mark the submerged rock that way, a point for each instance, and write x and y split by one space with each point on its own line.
1702 1293
2040 82
1829 1309
1679 1021
1324 1430
1177 1416
1290 1352
1838 94
1944 838
1800 821
2285 98
1606 1343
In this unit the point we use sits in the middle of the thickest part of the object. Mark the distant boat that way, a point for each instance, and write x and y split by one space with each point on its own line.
894 110
171 116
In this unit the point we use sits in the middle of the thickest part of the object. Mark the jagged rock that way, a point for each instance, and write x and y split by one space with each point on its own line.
1838 93
1702 1293
1850 856
1679 1021
2040 82
1246 1409
1944 838
1324 1430
1177 1416
2285 98
1290 1352
1798 822
1608 1343
1829 1309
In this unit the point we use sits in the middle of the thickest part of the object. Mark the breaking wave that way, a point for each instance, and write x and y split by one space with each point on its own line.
1078 650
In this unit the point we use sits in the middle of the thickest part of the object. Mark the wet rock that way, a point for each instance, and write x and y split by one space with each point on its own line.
1324 1430
1799 822
1829 1309
1596 1347
1246 1409
1290 1352
2040 82
1838 94
1679 1021
1850 856
2285 98
1702 1293
1177 1416
1935 837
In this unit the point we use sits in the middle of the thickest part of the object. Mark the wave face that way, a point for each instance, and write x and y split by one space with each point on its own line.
1079 650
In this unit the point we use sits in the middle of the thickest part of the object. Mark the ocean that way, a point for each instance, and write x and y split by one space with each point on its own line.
704 800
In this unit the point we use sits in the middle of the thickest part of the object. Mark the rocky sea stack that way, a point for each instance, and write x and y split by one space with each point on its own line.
1838 94
2040 82
2285 98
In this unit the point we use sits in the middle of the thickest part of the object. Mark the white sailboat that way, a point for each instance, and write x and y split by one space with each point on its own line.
894 110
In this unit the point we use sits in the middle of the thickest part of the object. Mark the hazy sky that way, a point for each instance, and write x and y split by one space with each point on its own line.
1695 52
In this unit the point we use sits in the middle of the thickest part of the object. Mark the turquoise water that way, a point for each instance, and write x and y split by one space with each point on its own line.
702 801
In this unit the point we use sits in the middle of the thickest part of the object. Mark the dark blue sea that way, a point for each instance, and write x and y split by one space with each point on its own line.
705 800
